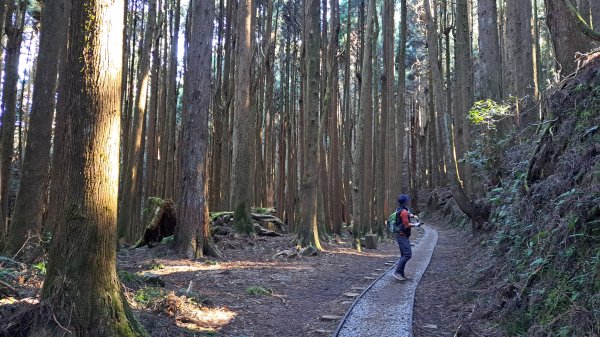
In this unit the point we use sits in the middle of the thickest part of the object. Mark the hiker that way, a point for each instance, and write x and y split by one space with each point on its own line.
403 234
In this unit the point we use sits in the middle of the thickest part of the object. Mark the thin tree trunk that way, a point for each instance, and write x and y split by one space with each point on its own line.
151 135
192 236
335 169
388 110
359 212
244 121
346 138
398 122
439 99
308 233
463 74
14 32
133 165
489 51
29 205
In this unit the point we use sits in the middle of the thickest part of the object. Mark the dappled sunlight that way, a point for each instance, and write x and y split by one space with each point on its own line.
203 319
238 265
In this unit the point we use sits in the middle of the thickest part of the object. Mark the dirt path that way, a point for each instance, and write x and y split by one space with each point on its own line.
443 300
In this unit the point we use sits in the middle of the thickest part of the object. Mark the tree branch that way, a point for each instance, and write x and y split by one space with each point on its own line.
583 26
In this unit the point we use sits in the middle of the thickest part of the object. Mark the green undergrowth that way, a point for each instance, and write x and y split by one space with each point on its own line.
546 217
258 291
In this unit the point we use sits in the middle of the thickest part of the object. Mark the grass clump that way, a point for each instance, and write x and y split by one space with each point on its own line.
258 291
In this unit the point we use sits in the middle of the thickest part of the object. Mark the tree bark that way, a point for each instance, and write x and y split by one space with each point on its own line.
308 233
149 182
359 209
29 205
567 39
397 123
89 302
595 12
387 109
463 75
439 99
244 122
133 165
192 234
14 32
2 17
490 59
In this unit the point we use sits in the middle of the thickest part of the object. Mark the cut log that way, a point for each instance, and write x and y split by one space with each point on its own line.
266 220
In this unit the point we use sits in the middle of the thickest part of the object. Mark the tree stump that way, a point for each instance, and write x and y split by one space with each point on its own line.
371 241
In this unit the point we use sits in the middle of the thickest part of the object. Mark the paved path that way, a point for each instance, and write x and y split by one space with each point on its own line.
385 308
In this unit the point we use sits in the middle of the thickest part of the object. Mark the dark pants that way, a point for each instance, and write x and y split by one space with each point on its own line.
405 253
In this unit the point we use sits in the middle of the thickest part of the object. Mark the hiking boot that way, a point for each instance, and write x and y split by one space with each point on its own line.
399 277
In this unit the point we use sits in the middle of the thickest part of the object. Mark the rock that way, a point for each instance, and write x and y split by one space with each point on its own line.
331 317
323 332
153 279
309 251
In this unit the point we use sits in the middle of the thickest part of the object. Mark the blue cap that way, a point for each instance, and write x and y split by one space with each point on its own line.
403 199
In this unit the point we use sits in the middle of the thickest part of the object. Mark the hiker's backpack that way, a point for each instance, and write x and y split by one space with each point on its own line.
393 223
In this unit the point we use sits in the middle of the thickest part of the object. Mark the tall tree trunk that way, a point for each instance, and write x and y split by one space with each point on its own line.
370 109
489 51
567 39
149 182
192 236
14 32
346 116
244 122
518 46
2 17
387 113
226 99
89 302
29 205
463 75
308 233
133 165
332 93
397 123
439 99
359 188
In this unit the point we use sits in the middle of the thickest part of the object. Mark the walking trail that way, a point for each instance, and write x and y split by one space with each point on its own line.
385 308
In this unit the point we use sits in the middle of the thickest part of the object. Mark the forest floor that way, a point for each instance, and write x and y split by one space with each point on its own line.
250 292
